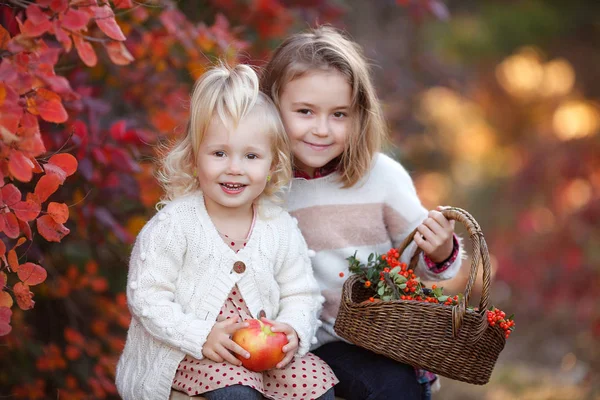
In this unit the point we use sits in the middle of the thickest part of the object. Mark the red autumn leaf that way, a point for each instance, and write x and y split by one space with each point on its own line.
59 5
85 50
62 36
46 186
5 299
59 212
36 15
105 19
123 3
50 230
19 166
74 20
11 195
10 110
11 225
3 280
118 53
5 314
117 130
32 274
29 209
33 29
25 229
64 161
4 38
13 260
49 105
23 296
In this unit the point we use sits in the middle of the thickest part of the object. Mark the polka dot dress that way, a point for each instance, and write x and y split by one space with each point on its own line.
304 378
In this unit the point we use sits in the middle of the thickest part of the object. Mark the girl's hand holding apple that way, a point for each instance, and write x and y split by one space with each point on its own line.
219 346
291 347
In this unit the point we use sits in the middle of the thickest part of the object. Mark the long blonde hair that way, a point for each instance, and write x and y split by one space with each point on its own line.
231 94
326 48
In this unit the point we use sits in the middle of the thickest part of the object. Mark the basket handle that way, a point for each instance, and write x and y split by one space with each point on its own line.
480 251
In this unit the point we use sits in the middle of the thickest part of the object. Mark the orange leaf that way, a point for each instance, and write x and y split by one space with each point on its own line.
72 352
19 166
28 210
50 230
11 195
25 228
19 242
64 161
85 50
47 185
5 299
105 19
74 337
4 38
5 314
74 20
118 53
13 260
11 225
32 274
10 110
59 212
23 296
3 279
49 105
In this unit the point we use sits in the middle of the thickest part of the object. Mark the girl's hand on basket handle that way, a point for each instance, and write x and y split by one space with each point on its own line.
219 347
291 347
435 236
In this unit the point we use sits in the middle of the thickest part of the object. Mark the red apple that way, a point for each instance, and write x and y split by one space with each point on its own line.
262 343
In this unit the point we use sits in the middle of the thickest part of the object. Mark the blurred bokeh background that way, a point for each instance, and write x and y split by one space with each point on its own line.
492 107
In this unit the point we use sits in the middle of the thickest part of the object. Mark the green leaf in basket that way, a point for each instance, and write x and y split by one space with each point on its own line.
371 257
511 317
441 299
386 298
438 291
399 279
402 286
381 291
395 271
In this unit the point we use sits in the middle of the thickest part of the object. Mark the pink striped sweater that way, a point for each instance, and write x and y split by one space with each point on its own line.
370 217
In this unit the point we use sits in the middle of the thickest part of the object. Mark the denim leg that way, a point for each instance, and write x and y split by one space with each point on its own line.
234 392
426 391
365 375
329 395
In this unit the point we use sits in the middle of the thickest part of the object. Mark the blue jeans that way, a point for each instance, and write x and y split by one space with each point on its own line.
241 392
365 375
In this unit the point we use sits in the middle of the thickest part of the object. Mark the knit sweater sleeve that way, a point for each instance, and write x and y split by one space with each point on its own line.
300 303
156 260
405 213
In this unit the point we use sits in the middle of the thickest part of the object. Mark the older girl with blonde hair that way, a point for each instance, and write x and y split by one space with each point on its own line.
218 252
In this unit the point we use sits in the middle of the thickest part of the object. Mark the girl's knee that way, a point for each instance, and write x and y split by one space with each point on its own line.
233 393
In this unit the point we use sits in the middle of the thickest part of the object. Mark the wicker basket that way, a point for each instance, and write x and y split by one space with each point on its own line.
448 340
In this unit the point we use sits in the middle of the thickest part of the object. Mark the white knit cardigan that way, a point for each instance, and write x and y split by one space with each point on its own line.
180 274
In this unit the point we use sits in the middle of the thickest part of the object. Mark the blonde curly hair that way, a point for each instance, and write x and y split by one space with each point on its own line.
231 94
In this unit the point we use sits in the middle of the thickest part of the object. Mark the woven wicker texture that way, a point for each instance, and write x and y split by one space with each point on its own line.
448 340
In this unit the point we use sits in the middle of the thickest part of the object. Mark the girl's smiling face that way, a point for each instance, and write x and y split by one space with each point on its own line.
315 109
233 163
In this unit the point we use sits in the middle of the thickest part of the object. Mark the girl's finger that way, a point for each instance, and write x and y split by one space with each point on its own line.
435 227
236 348
427 234
292 344
439 218
422 243
237 326
286 360
213 356
227 356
